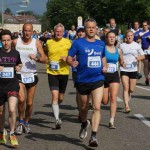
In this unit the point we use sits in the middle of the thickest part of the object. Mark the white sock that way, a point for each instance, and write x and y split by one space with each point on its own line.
55 109
111 120
11 133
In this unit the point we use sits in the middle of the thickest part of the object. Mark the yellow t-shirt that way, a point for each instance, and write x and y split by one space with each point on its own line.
56 50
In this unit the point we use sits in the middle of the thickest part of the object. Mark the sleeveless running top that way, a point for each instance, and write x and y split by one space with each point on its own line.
29 66
72 35
112 57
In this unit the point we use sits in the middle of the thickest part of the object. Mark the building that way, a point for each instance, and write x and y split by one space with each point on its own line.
15 23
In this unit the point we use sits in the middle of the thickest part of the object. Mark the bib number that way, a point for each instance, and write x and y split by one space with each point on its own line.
54 65
7 72
128 66
111 68
94 62
27 78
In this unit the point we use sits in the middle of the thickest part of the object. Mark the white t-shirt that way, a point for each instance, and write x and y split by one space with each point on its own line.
130 52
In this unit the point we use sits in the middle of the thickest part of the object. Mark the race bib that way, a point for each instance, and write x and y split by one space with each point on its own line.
27 77
147 52
94 62
128 66
7 72
111 68
54 65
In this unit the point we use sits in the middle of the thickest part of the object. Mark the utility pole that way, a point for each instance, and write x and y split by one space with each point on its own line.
2 13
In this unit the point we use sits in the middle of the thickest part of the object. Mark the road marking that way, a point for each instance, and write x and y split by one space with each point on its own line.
144 120
119 99
143 88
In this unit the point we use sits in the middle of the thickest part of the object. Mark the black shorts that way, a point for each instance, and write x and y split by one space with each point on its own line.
131 75
87 88
5 94
111 78
28 85
74 78
58 82
148 57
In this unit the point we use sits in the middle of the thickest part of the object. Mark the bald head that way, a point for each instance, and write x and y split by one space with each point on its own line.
27 25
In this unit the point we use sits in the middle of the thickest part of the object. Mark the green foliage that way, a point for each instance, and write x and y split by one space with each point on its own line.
65 12
124 11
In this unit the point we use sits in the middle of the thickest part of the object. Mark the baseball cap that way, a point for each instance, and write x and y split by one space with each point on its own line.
80 28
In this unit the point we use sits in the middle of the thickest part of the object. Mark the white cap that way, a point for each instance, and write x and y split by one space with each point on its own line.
80 27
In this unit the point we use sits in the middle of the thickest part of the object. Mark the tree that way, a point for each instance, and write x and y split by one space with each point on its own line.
65 11
7 11
124 11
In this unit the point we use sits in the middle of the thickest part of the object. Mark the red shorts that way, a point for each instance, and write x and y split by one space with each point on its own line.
4 95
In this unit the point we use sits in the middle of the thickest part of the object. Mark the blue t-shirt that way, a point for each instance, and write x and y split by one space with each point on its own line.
65 34
112 57
89 55
136 34
145 41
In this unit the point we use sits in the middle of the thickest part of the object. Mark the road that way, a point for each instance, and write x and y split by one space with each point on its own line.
132 132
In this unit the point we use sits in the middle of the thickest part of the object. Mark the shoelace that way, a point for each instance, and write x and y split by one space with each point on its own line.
13 137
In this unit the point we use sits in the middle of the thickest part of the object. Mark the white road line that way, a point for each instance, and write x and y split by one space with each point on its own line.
144 120
143 88
119 99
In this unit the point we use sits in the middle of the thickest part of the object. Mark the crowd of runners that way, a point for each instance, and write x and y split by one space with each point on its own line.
99 60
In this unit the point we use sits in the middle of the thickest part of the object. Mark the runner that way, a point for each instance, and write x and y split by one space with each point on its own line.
80 34
113 27
57 69
144 38
72 33
91 63
132 53
10 62
103 37
31 51
136 30
112 79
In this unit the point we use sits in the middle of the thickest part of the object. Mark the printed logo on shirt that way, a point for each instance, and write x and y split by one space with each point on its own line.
24 48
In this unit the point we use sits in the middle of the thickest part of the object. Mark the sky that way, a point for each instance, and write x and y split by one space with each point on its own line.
37 6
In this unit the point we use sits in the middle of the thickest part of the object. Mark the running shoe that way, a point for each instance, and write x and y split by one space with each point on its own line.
3 137
127 109
93 141
90 108
19 128
83 131
27 129
58 124
111 126
13 140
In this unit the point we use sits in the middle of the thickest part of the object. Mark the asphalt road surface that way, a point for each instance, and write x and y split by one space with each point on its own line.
132 132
